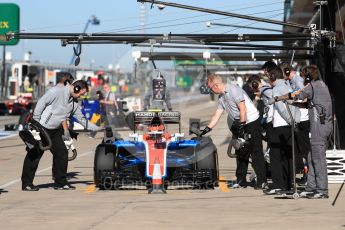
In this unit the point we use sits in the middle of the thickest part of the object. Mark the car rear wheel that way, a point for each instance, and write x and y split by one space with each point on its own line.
207 160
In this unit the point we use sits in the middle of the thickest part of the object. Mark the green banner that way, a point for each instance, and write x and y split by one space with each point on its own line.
9 22
184 81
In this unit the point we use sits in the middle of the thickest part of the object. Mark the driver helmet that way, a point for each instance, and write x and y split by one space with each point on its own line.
156 125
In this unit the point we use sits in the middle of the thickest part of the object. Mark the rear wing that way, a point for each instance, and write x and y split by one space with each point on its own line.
145 117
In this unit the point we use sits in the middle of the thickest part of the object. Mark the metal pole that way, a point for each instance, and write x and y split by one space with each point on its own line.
244 27
295 192
226 13
78 46
3 72
242 47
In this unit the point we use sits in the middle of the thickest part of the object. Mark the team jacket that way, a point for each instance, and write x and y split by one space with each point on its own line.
56 106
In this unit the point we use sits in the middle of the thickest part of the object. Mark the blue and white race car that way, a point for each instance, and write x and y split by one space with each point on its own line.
139 159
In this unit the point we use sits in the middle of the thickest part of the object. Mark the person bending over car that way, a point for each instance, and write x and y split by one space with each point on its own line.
52 109
243 112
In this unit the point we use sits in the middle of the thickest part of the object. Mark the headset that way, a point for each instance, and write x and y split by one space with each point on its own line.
306 75
272 76
287 71
321 114
77 86
307 78
254 84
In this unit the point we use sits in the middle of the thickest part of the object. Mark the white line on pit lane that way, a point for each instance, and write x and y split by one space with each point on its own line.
38 172
8 136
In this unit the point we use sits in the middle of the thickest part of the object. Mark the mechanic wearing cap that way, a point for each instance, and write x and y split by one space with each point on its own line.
320 114
238 105
52 109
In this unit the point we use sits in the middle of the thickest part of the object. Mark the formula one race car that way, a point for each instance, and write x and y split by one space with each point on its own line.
191 162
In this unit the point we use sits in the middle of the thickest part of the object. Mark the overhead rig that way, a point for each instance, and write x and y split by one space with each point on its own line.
222 56
229 14
221 42
299 41
99 38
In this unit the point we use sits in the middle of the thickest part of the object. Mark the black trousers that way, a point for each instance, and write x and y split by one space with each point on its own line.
303 143
269 133
253 149
281 157
60 160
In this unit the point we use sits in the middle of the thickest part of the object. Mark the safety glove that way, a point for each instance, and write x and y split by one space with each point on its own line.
66 135
205 130
241 129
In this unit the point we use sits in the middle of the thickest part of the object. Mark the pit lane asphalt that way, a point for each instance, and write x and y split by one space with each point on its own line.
88 208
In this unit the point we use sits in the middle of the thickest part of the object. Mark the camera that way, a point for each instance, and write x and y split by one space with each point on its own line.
239 143
160 6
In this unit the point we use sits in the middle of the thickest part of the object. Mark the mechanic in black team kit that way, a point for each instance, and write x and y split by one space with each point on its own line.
238 105
51 111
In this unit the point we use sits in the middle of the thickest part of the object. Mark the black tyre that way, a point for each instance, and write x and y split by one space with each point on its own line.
104 161
207 159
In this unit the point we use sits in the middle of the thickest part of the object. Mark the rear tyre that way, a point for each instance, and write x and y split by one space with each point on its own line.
104 162
207 159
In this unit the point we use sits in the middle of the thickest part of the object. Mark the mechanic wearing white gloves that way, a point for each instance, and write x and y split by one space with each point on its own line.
243 112
52 109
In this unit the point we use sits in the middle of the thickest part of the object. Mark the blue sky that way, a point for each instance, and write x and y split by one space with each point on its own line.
123 16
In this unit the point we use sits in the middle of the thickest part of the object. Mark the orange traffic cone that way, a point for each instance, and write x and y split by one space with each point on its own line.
157 181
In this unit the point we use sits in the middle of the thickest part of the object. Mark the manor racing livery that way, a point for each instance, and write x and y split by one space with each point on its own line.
191 162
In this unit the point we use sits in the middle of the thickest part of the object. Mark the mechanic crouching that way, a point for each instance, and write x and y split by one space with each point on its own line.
246 125
52 109
320 114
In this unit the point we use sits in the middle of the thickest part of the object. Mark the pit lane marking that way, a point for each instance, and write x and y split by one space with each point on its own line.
223 185
40 171
90 189
3 137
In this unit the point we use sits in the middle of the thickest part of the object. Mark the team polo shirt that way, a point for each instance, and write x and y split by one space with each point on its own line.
229 100
297 83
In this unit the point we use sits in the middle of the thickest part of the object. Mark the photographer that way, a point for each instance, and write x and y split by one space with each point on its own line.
281 140
246 123
52 109
320 113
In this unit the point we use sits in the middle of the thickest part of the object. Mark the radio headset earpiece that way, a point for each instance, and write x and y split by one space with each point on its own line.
76 87
287 71
255 84
272 77
307 76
